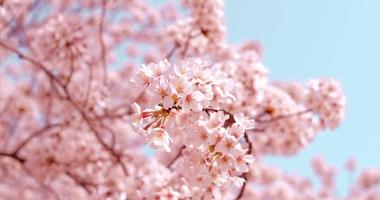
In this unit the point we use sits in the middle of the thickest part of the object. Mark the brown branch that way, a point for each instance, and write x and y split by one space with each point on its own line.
178 155
172 51
98 137
13 156
110 130
101 41
21 162
72 70
33 135
84 116
5 107
245 175
32 61
280 117
88 89
83 184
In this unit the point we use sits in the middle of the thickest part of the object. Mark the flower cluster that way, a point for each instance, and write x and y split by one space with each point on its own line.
188 86
287 125
72 125
326 97
367 185
269 182
214 155
188 96
204 29
10 8
64 41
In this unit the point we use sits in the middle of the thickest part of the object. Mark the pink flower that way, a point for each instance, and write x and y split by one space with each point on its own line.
144 76
242 160
137 116
160 68
201 137
167 94
180 85
225 162
159 138
236 130
243 122
237 181
228 145
216 120
193 102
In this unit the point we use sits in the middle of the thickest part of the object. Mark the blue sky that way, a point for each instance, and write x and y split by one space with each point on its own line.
318 38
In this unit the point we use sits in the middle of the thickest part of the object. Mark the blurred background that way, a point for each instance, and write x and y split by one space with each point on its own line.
304 39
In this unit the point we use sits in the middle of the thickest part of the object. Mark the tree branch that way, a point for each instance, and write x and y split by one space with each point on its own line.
245 175
101 41
72 103
169 165
33 135
280 117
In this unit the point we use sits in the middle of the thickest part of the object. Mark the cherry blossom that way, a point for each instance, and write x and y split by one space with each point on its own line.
131 100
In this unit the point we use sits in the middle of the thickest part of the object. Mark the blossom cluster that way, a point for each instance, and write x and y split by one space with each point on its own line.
189 86
203 30
88 87
214 155
325 97
66 43
191 95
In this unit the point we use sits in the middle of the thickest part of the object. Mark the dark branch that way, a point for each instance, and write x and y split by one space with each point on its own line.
101 41
33 135
83 184
13 156
245 175
84 116
169 165
274 119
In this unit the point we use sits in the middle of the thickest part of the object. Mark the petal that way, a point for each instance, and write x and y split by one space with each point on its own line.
250 124
167 102
238 181
198 96
136 108
248 159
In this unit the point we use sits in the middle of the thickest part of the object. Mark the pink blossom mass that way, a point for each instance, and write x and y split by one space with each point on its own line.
89 88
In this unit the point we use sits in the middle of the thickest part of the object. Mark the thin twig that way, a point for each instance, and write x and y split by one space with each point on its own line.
245 175
172 51
33 135
33 61
101 41
13 156
21 161
83 184
179 153
5 107
84 116
284 116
